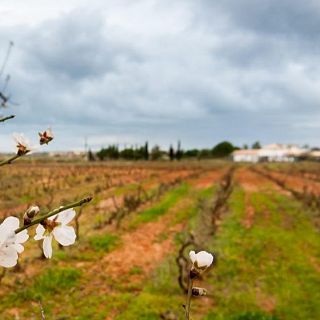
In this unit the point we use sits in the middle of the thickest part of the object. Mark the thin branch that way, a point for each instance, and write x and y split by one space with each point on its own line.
53 212
7 118
6 57
43 317
189 295
10 160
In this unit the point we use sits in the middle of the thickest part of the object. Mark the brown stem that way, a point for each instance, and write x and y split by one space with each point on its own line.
8 161
189 295
53 212
43 317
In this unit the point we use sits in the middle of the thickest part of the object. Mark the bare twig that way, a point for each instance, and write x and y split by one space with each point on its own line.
10 160
55 211
189 295
77 222
43 317
7 118
6 57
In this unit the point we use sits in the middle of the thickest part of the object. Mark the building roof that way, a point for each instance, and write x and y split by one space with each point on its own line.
246 152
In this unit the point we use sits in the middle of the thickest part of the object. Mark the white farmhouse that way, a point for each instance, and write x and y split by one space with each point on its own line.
269 153
245 156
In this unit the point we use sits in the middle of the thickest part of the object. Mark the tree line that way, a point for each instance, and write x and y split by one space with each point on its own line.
113 152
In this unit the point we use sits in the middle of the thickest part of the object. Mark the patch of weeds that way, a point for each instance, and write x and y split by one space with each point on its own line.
258 315
50 282
168 201
136 270
26 198
104 243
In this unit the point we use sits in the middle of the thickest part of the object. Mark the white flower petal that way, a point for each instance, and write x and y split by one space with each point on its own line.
52 217
9 225
40 230
8 257
202 259
47 246
66 216
22 236
192 256
65 235
19 247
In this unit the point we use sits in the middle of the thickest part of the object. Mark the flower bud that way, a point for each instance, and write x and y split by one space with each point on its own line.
196 291
46 136
23 145
32 212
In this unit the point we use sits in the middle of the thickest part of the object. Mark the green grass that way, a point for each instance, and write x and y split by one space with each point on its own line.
161 293
53 287
168 201
105 242
265 270
52 281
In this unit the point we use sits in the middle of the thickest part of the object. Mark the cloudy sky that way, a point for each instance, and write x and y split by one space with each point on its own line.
126 71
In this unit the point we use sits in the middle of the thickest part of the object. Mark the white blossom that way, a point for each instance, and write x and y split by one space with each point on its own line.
201 260
11 243
56 226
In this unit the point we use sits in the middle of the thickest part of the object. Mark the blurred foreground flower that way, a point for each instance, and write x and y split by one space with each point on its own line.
56 226
46 136
11 243
201 261
23 144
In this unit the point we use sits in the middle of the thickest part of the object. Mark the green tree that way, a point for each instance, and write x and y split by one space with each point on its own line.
171 153
256 145
179 152
156 153
91 156
127 154
146 151
222 149
193 153
112 152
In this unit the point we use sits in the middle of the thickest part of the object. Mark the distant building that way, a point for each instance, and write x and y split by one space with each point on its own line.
245 156
314 155
270 153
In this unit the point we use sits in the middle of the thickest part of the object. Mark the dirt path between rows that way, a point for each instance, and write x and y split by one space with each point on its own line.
144 248
251 181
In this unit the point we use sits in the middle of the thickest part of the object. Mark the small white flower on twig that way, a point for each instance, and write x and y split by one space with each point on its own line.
23 144
201 260
56 226
11 243
46 136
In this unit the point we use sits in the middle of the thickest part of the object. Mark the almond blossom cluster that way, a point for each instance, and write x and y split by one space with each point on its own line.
12 236
24 146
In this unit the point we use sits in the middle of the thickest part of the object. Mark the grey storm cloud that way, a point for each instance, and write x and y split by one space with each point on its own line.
200 71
